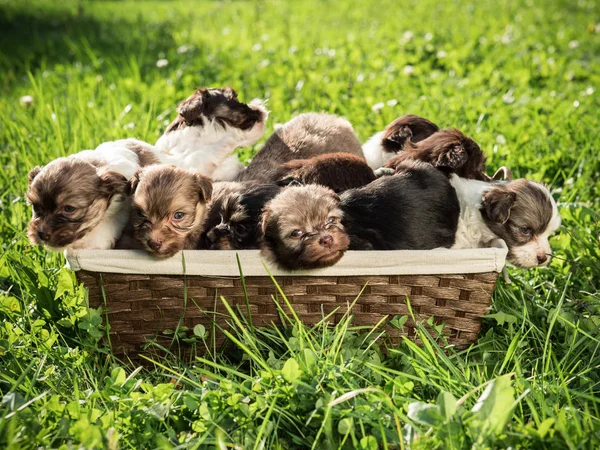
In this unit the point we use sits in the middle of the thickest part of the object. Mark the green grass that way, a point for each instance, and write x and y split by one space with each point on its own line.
522 78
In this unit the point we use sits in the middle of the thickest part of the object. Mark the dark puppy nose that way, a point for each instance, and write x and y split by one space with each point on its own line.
42 235
326 241
542 259
154 244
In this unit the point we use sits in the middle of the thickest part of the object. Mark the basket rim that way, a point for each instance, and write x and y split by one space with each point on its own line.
223 263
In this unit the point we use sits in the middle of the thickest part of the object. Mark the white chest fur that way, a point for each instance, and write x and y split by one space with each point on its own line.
472 231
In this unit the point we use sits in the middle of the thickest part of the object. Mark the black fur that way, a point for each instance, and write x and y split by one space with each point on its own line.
242 234
417 209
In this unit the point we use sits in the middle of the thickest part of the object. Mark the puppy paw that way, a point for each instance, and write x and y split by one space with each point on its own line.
384 172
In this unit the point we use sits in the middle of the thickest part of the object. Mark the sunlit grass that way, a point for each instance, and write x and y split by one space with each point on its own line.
521 78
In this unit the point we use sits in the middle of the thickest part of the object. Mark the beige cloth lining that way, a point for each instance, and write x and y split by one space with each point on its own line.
223 263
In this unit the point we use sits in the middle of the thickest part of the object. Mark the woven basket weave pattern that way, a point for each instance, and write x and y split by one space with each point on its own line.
140 307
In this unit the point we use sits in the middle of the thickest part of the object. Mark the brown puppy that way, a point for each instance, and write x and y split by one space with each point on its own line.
337 171
449 151
303 137
387 143
302 228
76 203
169 208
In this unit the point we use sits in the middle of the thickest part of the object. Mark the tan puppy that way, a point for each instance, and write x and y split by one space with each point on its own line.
169 208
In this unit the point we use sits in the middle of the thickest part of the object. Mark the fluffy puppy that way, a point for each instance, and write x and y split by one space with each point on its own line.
303 137
234 216
518 214
302 228
210 125
81 201
337 171
169 208
449 151
310 226
387 143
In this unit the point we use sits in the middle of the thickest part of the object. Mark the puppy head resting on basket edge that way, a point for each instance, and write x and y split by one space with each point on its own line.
169 208
234 215
302 228
519 213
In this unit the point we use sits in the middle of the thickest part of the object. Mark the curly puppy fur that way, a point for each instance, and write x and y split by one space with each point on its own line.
449 151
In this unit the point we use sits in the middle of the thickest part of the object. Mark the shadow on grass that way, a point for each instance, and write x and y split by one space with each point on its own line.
35 37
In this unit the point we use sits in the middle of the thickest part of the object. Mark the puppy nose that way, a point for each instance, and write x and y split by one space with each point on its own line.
542 259
154 244
42 235
326 241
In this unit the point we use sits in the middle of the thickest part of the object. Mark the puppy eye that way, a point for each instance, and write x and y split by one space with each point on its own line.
36 210
69 209
296 234
241 229
332 220
140 214
178 215
526 231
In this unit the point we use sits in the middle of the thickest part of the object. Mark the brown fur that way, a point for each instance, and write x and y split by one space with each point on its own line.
303 137
159 192
144 152
65 183
406 128
220 104
321 244
515 205
337 171
448 150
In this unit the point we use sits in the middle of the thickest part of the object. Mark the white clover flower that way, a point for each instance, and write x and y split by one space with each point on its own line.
162 63
26 100
377 106
409 70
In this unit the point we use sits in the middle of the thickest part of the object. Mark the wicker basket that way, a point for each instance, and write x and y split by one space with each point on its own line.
144 297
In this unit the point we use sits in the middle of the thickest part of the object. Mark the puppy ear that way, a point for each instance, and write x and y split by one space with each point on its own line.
34 173
497 203
133 183
452 158
193 106
205 187
264 220
395 138
229 93
112 183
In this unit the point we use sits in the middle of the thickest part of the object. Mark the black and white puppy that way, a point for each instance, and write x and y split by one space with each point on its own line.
518 214
234 216
307 227
386 144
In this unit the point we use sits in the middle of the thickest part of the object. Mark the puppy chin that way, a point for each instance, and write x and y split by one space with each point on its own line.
525 256
165 253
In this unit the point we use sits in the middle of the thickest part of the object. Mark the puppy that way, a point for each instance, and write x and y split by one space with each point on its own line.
169 208
387 143
449 151
302 228
210 125
303 137
81 201
234 216
518 214
308 227
337 171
